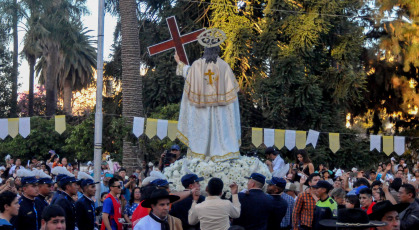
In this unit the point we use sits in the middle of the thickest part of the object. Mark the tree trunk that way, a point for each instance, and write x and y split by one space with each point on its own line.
31 61
13 109
67 96
132 101
51 52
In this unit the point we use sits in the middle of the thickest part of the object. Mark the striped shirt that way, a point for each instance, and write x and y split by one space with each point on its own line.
303 210
286 221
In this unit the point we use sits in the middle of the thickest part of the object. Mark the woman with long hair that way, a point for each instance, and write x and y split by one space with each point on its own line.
133 203
304 164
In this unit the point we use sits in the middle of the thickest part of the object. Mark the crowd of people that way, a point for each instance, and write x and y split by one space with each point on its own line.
55 194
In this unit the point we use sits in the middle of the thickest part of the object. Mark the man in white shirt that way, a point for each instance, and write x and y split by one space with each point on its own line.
215 213
275 161
159 218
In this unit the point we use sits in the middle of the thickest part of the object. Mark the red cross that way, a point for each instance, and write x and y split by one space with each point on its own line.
178 41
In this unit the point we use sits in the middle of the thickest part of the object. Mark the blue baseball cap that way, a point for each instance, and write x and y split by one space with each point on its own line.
359 189
28 180
87 182
190 179
257 177
279 182
175 147
160 182
45 181
66 180
59 177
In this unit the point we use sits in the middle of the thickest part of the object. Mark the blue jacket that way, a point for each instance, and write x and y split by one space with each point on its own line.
85 209
67 203
257 208
29 217
280 206
181 211
55 196
41 202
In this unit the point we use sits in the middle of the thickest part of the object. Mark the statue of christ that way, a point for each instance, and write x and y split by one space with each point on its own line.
209 119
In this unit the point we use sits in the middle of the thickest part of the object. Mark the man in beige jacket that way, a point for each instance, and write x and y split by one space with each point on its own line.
215 213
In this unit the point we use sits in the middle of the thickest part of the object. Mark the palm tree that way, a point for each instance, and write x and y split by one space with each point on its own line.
132 103
55 29
31 49
11 10
78 66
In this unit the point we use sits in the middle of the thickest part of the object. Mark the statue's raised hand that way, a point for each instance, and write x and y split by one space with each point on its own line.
177 58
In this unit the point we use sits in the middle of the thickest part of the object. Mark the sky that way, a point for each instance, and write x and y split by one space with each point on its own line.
90 21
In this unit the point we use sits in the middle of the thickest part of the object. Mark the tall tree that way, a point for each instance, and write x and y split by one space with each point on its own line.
5 68
31 49
56 28
10 9
131 79
15 21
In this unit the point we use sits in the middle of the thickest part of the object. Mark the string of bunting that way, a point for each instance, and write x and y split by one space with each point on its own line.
269 137
14 126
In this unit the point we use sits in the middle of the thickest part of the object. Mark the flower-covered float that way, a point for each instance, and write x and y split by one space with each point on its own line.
228 171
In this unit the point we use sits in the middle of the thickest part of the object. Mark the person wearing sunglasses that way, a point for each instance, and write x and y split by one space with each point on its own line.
111 212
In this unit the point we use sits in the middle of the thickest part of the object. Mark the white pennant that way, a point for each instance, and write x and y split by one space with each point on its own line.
313 137
399 145
24 126
375 142
269 137
4 128
138 126
162 128
290 139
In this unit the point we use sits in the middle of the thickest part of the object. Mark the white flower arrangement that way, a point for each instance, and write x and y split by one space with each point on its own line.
228 171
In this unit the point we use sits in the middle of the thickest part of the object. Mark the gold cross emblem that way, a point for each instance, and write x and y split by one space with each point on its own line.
210 79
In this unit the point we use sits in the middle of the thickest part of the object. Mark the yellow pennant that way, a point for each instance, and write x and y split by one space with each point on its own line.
172 130
60 125
257 136
279 138
334 142
300 139
151 128
13 127
388 145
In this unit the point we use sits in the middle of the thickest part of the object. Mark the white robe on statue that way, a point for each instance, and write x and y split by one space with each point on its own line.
209 119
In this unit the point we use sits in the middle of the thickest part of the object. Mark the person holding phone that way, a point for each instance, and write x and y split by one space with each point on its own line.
304 164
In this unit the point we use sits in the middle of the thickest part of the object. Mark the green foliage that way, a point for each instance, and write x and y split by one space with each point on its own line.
5 69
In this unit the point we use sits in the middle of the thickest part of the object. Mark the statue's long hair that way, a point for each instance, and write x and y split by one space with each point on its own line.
211 54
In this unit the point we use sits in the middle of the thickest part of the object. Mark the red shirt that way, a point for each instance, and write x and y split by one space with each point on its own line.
139 213
369 210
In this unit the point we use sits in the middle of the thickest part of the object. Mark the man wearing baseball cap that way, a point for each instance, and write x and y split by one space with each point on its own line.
284 202
29 217
326 207
181 208
45 185
275 161
174 156
257 208
68 184
85 206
